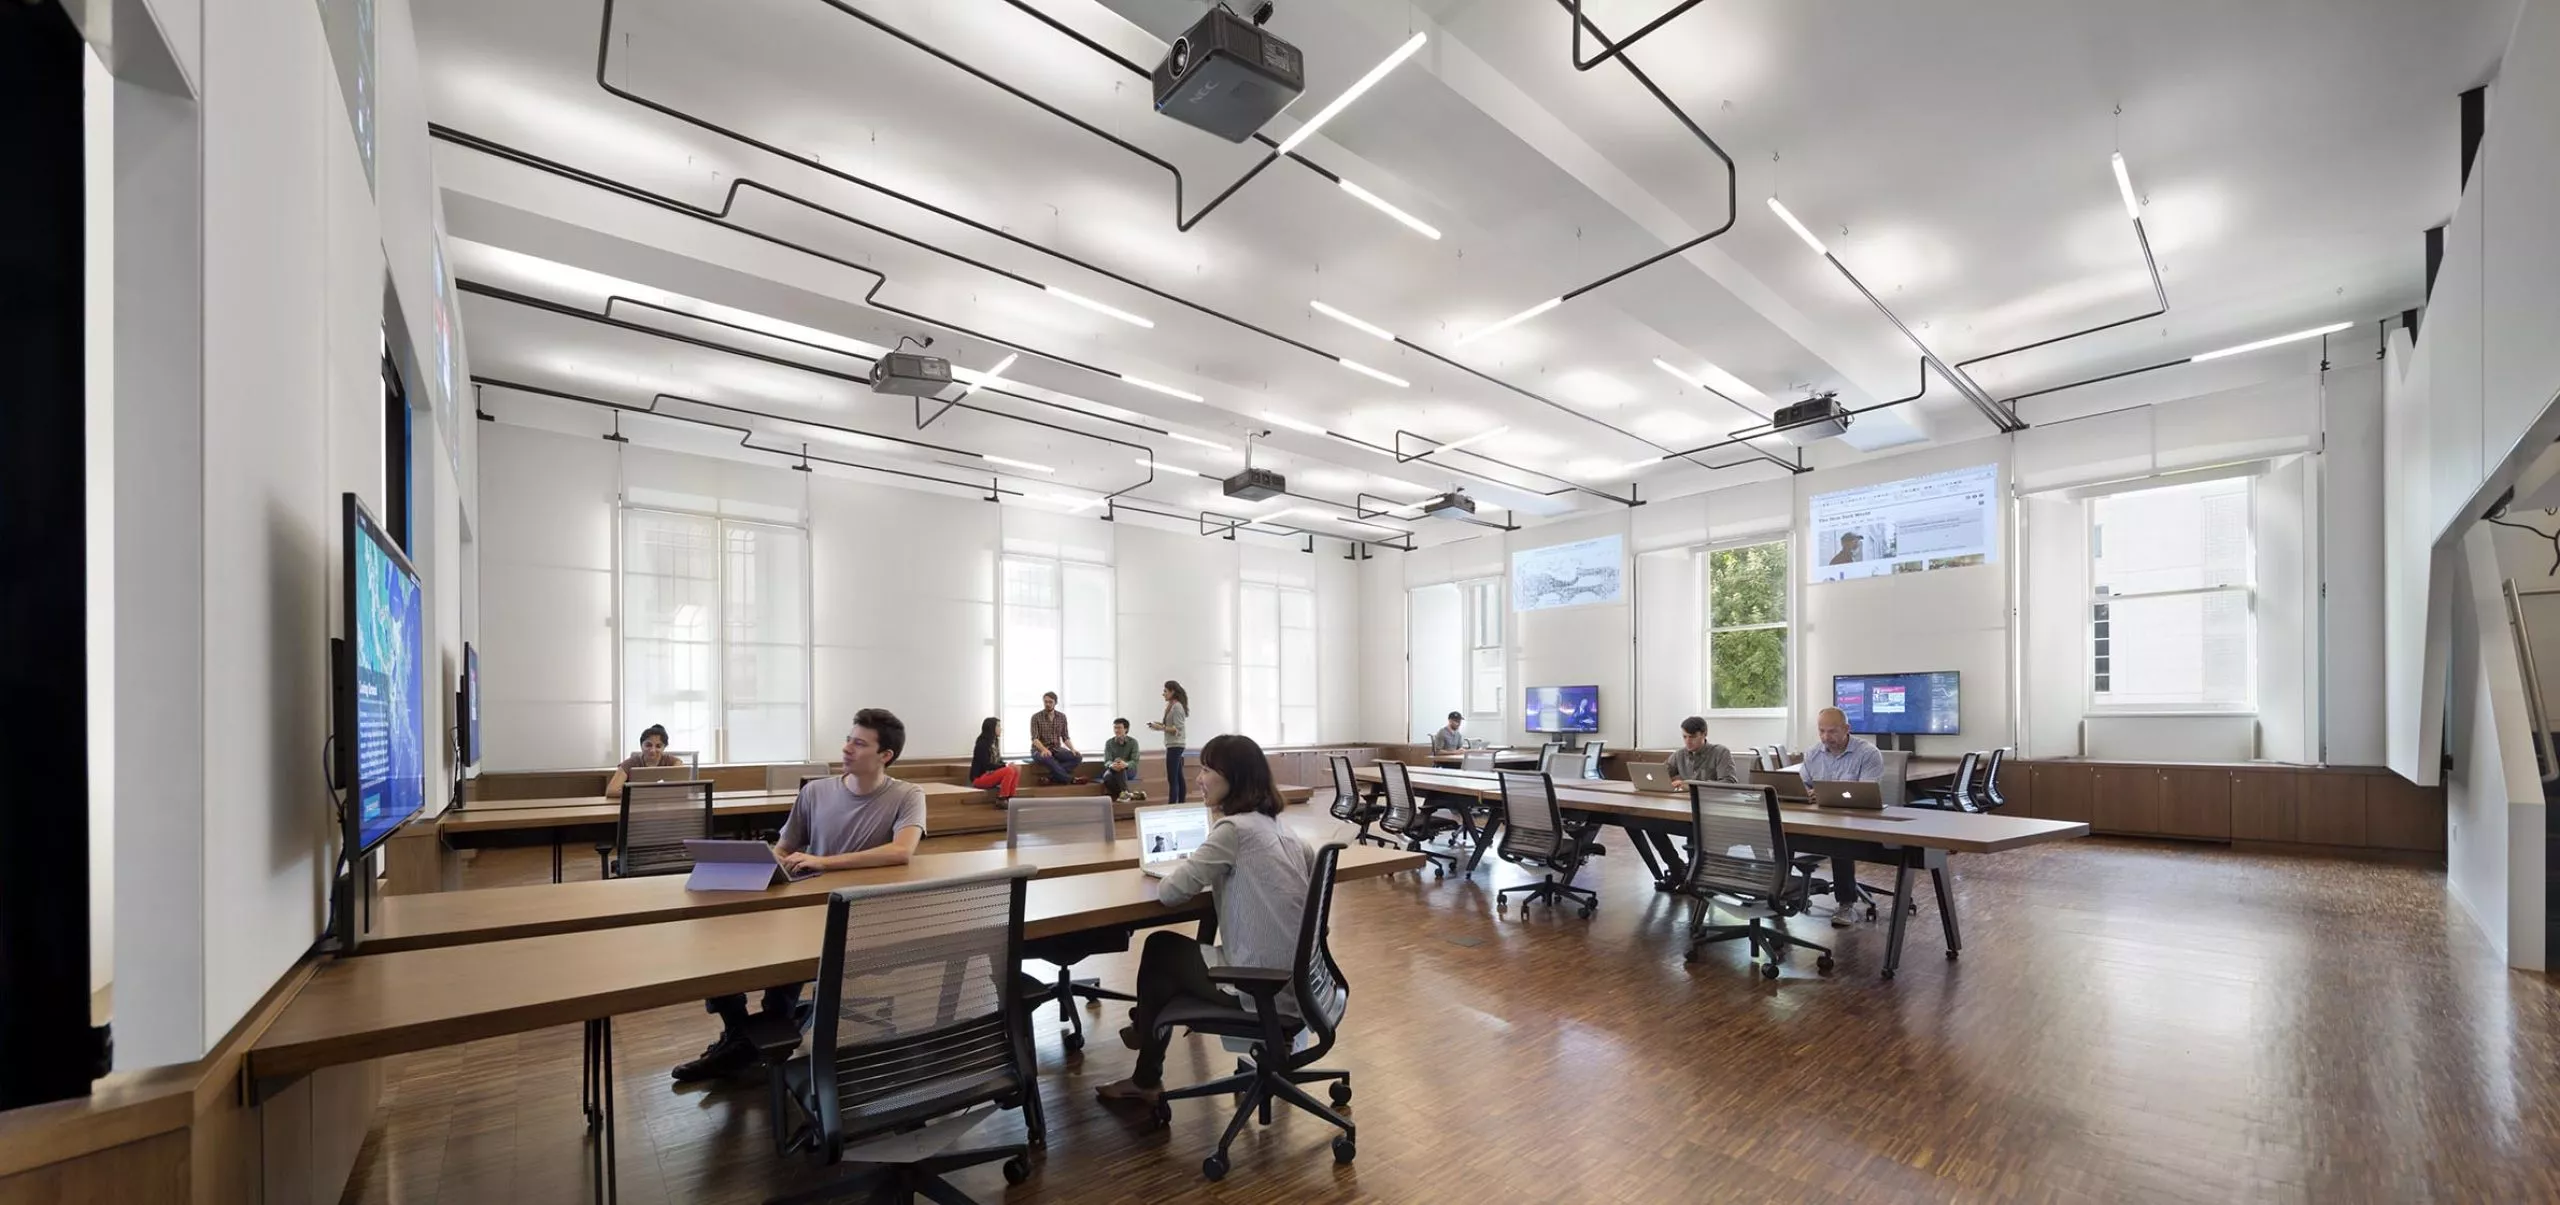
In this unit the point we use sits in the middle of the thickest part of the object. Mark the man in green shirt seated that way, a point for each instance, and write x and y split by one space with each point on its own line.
1119 760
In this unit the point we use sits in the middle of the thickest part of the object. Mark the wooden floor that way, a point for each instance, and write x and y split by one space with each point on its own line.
2129 1022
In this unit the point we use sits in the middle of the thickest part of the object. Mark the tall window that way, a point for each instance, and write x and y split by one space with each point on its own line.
715 634
1746 588
1057 636
1276 668
1484 606
2172 607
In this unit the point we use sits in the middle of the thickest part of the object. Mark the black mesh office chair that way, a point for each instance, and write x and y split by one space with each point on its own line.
1351 806
1536 836
894 1081
1272 1071
1957 795
1405 821
1592 752
1987 797
649 835
1035 820
1738 859
1547 756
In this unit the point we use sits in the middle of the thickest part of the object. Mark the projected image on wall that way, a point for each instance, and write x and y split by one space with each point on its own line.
1567 575
1941 521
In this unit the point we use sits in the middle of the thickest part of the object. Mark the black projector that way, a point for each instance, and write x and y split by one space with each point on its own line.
1812 420
1254 485
910 374
1451 505
1228 76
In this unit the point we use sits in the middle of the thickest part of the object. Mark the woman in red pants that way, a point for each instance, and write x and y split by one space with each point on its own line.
987 768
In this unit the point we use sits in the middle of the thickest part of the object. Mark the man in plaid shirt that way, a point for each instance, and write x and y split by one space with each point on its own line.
1050 745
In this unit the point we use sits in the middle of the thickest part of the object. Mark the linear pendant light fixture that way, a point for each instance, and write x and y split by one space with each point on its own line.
1798 227
1194 439
2124 187
1455 444
1024 465
2262 344
1098 307
987 379
1167 390
1298 425
1512 321
1382 205
1361 325
1163 467
1366 371
1343 101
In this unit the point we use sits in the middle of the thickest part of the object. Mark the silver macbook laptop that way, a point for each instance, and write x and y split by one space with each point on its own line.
1788 783
1858 796
660 774
1653 776
1167 835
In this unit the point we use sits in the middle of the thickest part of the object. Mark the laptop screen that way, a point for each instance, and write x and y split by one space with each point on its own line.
1166 833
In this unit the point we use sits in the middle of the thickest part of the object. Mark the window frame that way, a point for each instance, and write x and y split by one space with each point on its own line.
2092 600
1088 723
1704 566
1246 716
1478 597
718 752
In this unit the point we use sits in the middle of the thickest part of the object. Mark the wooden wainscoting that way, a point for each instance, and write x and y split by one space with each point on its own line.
2330 808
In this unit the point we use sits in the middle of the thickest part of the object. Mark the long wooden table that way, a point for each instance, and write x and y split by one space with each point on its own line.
560 817
1907 839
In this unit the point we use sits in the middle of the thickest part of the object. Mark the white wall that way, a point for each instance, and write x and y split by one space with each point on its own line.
2348 665
2285 502
904 583
1591 644
99 468
1436 674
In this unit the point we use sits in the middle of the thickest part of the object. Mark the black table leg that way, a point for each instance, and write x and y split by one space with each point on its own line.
1675 869
607 1188
1901 892
555 855
1492 826
587 1076
1947 910
1644 849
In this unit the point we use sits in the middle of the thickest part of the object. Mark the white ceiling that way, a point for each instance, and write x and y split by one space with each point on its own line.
1954 155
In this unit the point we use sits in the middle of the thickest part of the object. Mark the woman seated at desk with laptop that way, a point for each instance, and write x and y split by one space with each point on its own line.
653 755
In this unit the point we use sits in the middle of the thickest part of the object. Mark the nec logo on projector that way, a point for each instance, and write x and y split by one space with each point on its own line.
1228 76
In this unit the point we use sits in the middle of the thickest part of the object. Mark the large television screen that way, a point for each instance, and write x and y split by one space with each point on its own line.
382 711
470 704
1899 704
1562 709
1942 521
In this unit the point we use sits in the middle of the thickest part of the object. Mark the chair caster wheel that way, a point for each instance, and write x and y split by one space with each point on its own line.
1586 911
1017 1170
1691 956
1341 1095
1871 914
1344 1150
1951 955
1072 1041
1214 1167
1823 964
1888 974
1769 970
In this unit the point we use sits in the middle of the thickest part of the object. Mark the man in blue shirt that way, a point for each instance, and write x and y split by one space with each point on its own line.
1841 758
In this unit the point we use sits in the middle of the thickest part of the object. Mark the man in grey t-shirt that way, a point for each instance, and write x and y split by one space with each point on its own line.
860 818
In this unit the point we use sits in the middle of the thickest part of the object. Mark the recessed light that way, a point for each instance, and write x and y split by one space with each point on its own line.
1512 321
1167 390
2295 337
1098 307
1366 371
1019 464
1348 320
1798 227
1351 94
1423 228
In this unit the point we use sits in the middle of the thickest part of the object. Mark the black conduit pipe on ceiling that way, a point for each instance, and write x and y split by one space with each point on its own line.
1763 430
603 58
1615 49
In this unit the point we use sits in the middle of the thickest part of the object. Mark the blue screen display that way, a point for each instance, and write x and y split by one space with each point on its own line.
1898 704
390 686
1562 709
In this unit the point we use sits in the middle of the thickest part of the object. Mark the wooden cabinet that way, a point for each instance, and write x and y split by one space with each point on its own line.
2196 803
2399 814
2331 809
2263 805
2061 791
2126 799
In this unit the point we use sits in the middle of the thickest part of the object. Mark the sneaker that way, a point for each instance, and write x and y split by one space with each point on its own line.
1842 915
724 1057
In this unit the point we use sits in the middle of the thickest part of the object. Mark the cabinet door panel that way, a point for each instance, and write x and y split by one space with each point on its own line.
2264 804
2197 803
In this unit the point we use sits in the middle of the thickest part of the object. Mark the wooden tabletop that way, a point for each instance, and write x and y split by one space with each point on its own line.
1926 828
572 812
450 918
363 1008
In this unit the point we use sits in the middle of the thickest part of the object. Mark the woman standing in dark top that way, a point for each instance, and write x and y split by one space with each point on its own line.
1177 713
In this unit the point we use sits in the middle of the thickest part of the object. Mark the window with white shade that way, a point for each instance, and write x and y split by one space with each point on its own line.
2172 606
1057 634
715 634
1276 663
1484 605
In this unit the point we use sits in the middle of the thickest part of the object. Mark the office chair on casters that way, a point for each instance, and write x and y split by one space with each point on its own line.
1987 797
1957 795
1035 820
1404 819
1535 836
648 837
1315 986
1476 759
1351 807
1547 756
1739 860
893 1092
1592 752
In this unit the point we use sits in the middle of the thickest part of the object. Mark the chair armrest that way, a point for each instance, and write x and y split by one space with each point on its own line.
1257 981
775 1036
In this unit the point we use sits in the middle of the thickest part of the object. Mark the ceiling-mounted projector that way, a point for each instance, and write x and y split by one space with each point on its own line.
911 374
1816 418
1254 485
1451 505
1228 76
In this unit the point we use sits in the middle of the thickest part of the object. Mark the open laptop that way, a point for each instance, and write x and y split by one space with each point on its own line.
1788 783
726 865
1855 796
1167 835
1653 776
660 774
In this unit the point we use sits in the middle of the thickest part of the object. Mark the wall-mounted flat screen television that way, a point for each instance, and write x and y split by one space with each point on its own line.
469 711
1899 704
1562 709
381 690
